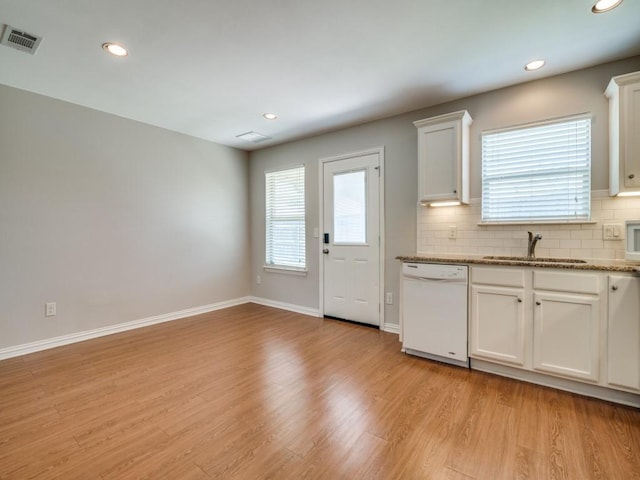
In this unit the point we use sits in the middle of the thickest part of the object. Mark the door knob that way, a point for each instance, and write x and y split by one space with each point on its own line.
614 287
325 251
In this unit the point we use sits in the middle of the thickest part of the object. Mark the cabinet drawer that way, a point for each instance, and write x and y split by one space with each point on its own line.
566 281
505 277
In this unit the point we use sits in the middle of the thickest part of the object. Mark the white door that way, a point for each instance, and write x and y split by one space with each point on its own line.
351 238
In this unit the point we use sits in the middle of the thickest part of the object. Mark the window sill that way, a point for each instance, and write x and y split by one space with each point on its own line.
540 222
300 272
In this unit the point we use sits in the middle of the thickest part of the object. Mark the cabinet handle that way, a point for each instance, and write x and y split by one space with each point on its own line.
455 191
614 287
632 175
538 303
519 300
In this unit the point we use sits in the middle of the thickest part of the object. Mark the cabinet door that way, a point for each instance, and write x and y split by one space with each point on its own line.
438 160
566 335
630 135
623 357
497 324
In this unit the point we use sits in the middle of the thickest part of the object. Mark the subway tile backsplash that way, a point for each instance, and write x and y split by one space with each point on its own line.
584 241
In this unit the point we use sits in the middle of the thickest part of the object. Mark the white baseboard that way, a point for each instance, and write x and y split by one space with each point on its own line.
32 347
48 343
596 391
314 312
391 328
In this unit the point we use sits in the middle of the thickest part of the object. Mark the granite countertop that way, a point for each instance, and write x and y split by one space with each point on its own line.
566 264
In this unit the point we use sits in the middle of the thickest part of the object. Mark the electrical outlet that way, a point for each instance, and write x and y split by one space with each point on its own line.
50 309
389 298
258 279
453 231
612 231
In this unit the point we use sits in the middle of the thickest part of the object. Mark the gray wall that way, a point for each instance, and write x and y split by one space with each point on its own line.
572 93
117 221
112 219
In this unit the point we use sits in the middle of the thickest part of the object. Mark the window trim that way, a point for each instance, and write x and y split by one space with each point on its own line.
300 272
283 268
539 123
524 126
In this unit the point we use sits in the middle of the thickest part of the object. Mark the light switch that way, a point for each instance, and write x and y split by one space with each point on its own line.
612 231
617 232
607 232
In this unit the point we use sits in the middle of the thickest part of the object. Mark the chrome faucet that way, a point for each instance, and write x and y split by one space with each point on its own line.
531 249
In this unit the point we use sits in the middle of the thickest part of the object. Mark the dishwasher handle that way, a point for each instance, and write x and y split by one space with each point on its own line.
436 280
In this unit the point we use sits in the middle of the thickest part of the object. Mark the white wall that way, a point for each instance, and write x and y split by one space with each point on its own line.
112 219
576 92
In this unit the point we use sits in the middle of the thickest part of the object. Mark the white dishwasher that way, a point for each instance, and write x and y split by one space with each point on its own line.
434 312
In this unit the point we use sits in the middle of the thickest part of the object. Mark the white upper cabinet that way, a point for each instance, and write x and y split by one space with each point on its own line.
443 157
623 93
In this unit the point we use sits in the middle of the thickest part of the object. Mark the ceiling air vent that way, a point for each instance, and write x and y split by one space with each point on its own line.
254 137
20 40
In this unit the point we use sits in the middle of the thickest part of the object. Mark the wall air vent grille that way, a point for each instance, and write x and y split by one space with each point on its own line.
20 40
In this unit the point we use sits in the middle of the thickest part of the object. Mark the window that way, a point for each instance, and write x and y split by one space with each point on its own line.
539 173
285 230
350 208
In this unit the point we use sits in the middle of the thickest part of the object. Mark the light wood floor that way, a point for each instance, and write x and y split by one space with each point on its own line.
252 392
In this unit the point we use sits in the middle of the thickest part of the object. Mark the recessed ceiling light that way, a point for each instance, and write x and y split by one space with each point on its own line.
115 49
270 116
535 65
602 6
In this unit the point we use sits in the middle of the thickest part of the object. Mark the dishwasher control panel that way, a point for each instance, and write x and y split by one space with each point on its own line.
435 270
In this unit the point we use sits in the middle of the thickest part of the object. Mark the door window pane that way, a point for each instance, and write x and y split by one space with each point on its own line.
350 207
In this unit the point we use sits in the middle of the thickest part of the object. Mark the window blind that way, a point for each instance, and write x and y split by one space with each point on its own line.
285 218
538 173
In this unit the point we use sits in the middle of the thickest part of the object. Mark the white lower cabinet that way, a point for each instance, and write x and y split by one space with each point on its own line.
497 324
623 346
574 329
542 320
566 335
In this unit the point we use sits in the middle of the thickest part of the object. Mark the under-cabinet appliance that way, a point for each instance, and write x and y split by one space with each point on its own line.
632 252
434 312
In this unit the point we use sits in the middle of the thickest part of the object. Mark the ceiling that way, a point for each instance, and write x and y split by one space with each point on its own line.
211 68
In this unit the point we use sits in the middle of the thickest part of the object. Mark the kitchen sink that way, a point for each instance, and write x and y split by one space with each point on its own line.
534 259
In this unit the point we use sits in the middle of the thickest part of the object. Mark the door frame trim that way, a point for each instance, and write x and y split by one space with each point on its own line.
381 252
